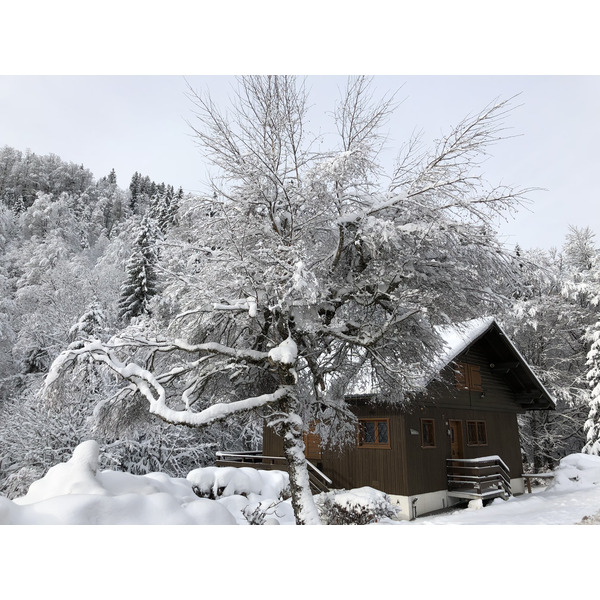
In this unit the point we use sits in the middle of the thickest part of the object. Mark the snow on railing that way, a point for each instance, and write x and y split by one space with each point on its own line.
257 457
484 476
482 459
320 473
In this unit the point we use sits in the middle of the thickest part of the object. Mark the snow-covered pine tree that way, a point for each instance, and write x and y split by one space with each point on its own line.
302 267
140 284
163 207
175 204
582 258
547 320
167 210
592 425
134 190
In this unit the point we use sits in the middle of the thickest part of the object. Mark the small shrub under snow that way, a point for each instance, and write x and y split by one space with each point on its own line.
262 513
361 506
218 482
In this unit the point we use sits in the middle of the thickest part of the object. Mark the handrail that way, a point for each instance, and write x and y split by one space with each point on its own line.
529 476
255 455
222 453
252 454
320 473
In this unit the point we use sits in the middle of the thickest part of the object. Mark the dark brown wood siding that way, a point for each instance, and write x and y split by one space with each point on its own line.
381 468
493 402
495 394
427 466
407 468
272 444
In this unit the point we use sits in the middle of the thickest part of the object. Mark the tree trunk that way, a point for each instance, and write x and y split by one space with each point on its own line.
305 510
535 445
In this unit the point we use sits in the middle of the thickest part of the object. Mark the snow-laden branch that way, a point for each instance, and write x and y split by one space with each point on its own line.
247 305
150 386
239 354
366 339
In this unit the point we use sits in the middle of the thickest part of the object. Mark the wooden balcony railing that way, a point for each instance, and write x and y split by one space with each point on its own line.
486 477
319 482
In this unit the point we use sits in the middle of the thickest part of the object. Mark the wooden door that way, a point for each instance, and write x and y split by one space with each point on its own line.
312 444
456 439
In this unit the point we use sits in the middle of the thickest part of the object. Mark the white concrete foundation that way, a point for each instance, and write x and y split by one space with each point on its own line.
517 486
422 504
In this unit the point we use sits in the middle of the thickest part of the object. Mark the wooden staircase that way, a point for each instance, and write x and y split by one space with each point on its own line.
319 482
471 478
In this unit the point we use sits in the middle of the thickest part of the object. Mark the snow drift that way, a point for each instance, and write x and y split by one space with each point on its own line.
76 493
576 471
217 482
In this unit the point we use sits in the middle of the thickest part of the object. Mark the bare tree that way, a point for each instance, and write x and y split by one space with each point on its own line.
305 269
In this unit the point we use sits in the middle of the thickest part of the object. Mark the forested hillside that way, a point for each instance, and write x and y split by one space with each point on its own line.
296 269
78 260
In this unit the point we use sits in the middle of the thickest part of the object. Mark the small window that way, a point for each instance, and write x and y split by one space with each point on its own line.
373 433
468 377
427 433
476 433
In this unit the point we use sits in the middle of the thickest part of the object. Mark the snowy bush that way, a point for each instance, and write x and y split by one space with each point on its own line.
217 482
361 506
262 513
17 483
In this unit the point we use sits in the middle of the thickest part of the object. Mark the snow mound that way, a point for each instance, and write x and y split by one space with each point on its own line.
217 482
75 493
364 496
76 476
576 471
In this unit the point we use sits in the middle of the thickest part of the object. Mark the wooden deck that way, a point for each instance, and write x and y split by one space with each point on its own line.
319 482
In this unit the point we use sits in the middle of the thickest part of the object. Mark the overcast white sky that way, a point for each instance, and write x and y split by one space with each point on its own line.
138 123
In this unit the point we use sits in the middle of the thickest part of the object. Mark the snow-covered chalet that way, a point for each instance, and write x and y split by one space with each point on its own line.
458 440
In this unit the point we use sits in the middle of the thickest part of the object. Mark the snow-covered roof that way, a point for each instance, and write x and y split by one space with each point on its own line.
460 336
457 338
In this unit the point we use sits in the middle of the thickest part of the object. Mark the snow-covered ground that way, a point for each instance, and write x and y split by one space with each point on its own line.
573 495
76 493
155 562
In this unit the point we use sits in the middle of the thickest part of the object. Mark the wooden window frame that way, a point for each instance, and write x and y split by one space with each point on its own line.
478 441
423 445
467 377
376 445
